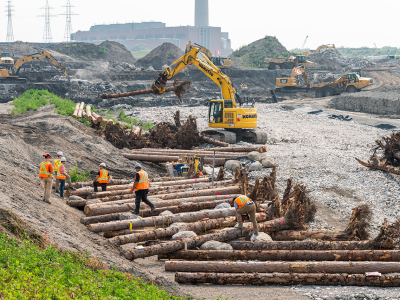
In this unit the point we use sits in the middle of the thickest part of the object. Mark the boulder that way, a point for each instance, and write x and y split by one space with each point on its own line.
183 235
223 206
256 166
262 156
150 68
232 165
128 216
119 68
261 237
166 213
269 162
208 171
215 245
254 156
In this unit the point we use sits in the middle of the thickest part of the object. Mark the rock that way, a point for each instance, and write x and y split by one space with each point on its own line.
269 163
254 156
183 235
150 68
256 166
232 164
166 213
262 156
223 206
215 245
262 237
128 216
119 68
208 171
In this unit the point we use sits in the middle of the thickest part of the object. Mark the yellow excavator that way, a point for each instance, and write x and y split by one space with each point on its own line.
229 119
351 82
10 74
220 62
330 46
288 63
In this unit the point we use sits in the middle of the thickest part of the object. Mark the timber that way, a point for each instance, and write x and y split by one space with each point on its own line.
215 142
207 154
302 245
291 235
166 158
75 114
89 112
83 202
194 152
199 193
238 149
80 111
326 267
288 279
99 219
286 255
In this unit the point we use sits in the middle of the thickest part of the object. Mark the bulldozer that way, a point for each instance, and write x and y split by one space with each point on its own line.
329 46
229 118
288 63
351 82
10 73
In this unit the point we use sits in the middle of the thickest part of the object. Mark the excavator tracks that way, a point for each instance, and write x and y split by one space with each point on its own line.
221 135
232 136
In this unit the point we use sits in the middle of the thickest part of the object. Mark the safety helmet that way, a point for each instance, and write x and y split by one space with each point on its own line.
138 166
103 165
63 159
47 155
60 153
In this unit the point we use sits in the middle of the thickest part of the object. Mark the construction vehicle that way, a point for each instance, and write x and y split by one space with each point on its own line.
220 62
351 82
10 74
330 46
229 119
288 63
6 59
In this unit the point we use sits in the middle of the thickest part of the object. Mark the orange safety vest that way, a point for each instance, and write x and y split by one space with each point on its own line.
44 171
143 183
103 178
59 175
242 200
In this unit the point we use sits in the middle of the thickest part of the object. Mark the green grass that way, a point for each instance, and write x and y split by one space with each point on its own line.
140 54
78 176
28 272
134 122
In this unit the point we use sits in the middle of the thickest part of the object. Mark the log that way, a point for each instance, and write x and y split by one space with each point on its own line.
163 220
235 149
302 245
100 219
165 158
198 227
191 152
208 154
286 255
327 267
212 141
291 235
224 235
89 112
138 131
75 114
81 203
96 118
288 279
210 192
80 111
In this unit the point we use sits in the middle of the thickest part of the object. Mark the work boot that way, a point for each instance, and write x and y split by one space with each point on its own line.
152 208
48 202
135 213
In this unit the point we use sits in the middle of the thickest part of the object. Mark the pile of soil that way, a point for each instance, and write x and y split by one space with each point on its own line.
252 55
332 57
165 54
106 51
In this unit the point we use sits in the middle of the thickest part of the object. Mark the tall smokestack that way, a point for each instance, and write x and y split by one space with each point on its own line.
201 13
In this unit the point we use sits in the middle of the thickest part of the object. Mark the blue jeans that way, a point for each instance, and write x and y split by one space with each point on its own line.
62 187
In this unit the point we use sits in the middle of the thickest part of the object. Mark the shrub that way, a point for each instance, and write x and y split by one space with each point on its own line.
103 50
78 176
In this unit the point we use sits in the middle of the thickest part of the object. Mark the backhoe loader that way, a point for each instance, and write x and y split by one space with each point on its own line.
288 63
330 46
11 74
229 119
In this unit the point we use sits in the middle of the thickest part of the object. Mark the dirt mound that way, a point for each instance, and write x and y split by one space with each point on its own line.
331 57
252 55
165 54
106 51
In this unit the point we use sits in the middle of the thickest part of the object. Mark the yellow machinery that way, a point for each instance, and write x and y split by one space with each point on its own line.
10 74
351 82
288 63
330 46
6 60
228 118
220 62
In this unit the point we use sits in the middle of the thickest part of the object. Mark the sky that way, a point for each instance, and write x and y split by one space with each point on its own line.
340 22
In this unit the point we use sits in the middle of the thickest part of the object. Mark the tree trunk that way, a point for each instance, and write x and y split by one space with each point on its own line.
96 118
286 255
212 141
188 152
302 245
83 202
223 235
165 158
236 149
77 106
288 279
327 267
80 111
291 235
89 112
100 219
210 192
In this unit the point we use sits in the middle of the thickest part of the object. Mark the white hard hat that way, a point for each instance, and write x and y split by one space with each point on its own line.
60 153
63 159
103 165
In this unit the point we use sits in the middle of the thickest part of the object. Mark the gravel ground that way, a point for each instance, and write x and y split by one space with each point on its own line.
319 152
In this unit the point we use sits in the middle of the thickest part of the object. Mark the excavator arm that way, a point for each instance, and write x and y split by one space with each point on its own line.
197 56
38 56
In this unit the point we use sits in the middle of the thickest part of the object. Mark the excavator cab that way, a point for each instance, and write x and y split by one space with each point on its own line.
301 59
215 112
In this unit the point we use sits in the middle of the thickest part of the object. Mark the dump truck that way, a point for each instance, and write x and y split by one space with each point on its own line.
288 63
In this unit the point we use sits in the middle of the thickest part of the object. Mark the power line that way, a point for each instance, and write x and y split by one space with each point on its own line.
10 34
68 26
47 37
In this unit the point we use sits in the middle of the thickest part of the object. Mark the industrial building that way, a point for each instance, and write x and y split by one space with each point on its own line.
153 34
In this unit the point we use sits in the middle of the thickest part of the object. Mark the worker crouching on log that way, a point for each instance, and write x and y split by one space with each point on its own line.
102 179
46 174
141 188
243 205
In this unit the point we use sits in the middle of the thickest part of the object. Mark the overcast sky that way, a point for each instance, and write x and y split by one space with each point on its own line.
339 22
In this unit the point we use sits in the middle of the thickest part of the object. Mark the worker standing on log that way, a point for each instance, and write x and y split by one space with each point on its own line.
243 205
62 175
46 174
141 188
57 163
102 179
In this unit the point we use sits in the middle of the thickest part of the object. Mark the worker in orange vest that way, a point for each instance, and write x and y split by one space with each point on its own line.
102 179
243 205
46 174
141 188
57 163
62 175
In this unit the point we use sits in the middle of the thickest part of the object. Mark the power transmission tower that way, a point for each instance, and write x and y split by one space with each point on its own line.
68 26
10 34
47 37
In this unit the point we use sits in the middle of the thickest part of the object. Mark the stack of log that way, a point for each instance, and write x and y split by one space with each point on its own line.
81 113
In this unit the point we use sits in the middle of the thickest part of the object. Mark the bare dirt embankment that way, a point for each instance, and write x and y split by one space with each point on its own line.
166 54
